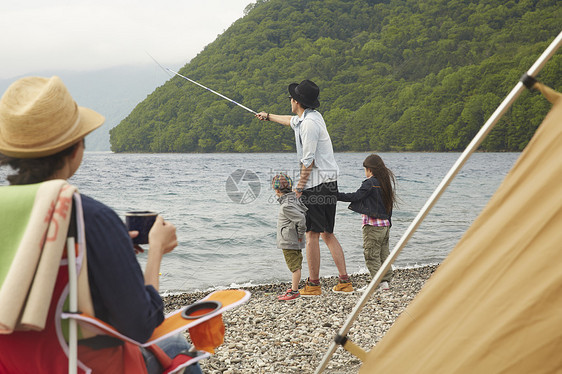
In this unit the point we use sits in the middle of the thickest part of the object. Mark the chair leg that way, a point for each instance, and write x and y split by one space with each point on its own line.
73 306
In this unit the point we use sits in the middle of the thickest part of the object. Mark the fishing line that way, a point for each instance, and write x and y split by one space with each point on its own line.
200 85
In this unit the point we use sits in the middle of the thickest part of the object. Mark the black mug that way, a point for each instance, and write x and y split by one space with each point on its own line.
142 222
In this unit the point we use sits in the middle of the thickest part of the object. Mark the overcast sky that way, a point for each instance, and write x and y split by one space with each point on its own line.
95 34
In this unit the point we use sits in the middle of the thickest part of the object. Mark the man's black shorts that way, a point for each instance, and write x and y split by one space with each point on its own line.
321 202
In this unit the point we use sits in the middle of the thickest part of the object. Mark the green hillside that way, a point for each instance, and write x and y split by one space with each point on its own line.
405 75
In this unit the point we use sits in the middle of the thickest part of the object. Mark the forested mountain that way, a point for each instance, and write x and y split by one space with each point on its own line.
406 75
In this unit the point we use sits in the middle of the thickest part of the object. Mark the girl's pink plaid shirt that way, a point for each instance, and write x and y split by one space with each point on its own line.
371 221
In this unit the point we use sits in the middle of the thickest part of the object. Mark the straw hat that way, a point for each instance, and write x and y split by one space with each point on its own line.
38 118
306 93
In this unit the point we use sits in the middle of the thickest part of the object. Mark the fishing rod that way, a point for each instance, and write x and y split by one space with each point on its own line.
200 85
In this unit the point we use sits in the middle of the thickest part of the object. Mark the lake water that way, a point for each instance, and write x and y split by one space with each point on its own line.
225 211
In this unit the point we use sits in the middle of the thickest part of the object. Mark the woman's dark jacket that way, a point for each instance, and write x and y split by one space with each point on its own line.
367 199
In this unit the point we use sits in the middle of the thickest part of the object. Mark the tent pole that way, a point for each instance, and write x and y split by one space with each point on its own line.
474 144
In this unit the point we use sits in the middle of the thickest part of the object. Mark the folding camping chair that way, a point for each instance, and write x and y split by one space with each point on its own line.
40 284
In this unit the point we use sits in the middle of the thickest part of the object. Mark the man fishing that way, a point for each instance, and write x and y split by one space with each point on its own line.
317 184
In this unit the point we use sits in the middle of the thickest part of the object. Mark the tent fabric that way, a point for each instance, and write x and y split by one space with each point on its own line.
495 304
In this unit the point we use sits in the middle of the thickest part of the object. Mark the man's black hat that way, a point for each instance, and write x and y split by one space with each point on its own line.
305 93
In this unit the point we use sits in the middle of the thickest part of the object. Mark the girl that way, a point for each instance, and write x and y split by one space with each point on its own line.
375 200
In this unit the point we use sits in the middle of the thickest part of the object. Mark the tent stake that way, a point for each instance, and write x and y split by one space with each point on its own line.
474 144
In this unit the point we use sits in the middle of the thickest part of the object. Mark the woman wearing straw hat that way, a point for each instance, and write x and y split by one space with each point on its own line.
42 134
317 183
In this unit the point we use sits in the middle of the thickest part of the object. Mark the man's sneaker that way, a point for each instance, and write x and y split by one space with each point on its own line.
289 295
311 290
384 286
343 287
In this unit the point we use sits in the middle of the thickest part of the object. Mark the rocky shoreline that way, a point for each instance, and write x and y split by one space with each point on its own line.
268 336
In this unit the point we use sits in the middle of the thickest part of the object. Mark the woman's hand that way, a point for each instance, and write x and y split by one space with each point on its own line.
161 240
162 236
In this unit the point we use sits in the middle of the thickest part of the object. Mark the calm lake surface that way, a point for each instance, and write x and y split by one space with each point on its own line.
225 211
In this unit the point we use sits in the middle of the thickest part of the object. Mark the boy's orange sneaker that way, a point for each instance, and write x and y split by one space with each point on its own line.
343 287
311 290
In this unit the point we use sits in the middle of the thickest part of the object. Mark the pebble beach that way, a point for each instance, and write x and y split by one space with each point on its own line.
266 335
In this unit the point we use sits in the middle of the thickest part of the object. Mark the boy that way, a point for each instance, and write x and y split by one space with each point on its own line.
291 228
